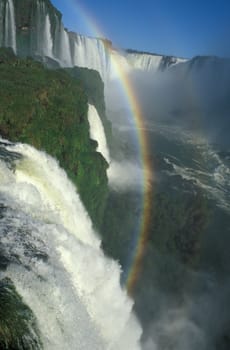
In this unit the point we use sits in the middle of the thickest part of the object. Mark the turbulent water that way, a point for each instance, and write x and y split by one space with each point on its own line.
54 257
185 165
9 39
190 157
196 161
48 246
97 132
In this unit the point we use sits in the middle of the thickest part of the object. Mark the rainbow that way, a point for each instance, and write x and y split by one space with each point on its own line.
140 236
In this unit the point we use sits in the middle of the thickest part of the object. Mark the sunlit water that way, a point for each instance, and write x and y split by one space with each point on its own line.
54 257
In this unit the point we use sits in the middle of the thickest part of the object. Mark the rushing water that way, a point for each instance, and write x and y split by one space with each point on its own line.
97 132
50 38
54 258
10 29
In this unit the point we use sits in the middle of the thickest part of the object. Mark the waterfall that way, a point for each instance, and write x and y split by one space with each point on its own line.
91 53
144 61
71 49
151 62
1 23
64 53
10 28
97 132
70 286
44 42
48 43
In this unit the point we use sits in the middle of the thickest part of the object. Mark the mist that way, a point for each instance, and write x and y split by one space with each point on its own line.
192 94
125 176
180 308
199 322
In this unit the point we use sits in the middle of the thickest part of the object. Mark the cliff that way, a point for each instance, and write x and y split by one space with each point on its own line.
35 28
48 109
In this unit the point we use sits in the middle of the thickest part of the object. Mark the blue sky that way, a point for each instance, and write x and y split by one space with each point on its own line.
178 27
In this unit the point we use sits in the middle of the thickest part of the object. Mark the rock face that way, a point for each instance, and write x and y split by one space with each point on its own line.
35 28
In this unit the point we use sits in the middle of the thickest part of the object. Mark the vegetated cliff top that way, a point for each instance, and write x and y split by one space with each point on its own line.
48 109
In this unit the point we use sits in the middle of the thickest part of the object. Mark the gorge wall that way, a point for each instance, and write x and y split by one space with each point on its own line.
35 28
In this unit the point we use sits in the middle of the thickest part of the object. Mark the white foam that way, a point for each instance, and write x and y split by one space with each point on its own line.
48 42
97 132
10 27
77 291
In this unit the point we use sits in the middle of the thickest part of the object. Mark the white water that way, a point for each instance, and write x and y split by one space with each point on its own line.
75 294
91 53
44 42
144 61
48 43
64 54
97 132
71 49
1 23
10 28
149 62
210 173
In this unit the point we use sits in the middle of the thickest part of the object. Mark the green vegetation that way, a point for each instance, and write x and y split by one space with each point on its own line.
18 328
48 109
94 88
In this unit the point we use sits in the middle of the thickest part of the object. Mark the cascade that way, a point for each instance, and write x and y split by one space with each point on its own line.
48 43
64 54
10 29
151 62
97 132
144 61
1 23
71 49
71 287
91 53
44 43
